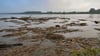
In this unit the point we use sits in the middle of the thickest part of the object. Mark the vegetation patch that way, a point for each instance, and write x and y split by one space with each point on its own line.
86 52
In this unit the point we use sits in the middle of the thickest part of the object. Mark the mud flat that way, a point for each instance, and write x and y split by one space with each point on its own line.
53 36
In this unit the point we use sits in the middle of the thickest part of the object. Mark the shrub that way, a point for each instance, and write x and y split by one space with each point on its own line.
87 52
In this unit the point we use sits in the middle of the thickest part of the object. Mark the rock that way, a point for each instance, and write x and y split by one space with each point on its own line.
76 24
54 36
25 18
83 24
10 45
97 29
1 30
72 24
66 18
82 19
13 17
58 26
96 22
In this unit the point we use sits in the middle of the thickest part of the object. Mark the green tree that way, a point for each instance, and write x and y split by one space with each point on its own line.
92 10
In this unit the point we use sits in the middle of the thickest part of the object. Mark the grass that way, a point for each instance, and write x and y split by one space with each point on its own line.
87 52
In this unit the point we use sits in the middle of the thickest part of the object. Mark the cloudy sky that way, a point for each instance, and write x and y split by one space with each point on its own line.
47 5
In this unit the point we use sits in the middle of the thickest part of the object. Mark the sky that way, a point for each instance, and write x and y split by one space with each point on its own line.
47 5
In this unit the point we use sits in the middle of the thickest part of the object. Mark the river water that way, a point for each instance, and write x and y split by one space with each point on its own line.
52 15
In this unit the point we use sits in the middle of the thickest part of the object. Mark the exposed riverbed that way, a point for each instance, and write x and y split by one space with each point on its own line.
48 35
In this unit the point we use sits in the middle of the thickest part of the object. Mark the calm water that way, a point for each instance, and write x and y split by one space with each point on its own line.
52 15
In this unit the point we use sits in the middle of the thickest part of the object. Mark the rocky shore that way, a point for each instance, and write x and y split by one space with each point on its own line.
48 36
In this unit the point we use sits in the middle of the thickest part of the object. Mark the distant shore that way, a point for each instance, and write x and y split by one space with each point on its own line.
54 13
91 11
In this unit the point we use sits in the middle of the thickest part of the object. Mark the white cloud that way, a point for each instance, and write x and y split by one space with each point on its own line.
71 5
48 5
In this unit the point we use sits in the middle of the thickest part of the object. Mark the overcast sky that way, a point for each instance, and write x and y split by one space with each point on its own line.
47 5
